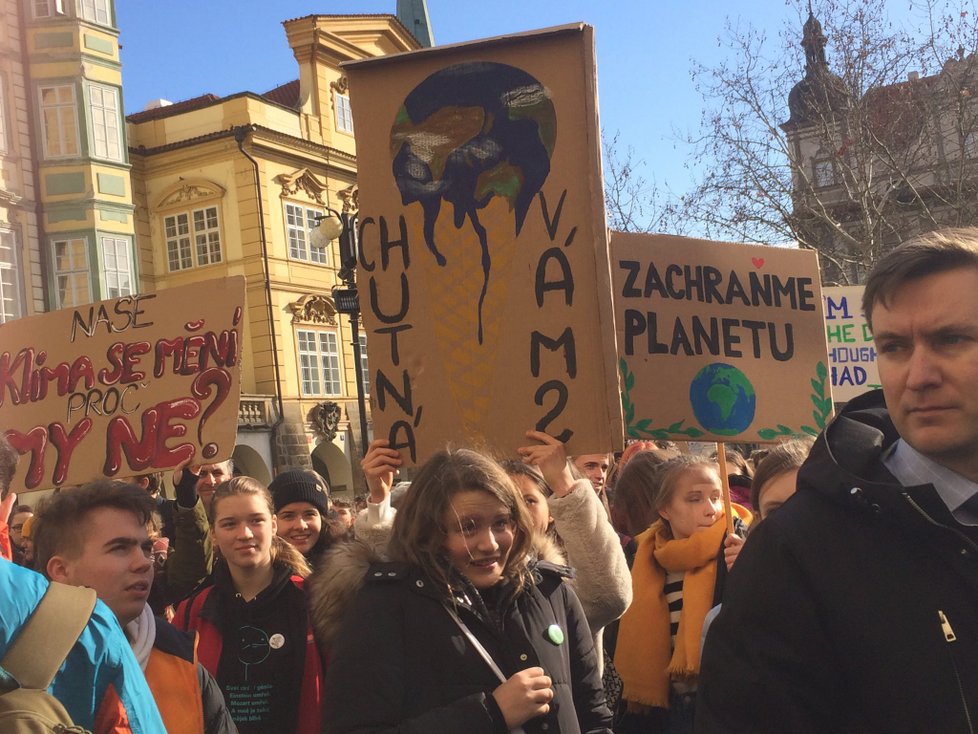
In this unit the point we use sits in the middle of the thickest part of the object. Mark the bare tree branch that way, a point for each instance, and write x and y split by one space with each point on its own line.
886 147
632 202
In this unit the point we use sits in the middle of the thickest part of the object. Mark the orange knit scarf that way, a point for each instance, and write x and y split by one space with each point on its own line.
643 657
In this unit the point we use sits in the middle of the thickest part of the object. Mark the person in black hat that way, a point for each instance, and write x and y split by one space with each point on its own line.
302 507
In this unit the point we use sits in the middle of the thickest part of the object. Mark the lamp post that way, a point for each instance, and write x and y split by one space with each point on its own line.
334 225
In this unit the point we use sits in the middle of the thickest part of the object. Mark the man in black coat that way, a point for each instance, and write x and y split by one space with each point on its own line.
854 607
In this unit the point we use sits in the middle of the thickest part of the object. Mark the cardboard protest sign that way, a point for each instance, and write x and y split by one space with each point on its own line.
483 266
719 341
128 385
852 352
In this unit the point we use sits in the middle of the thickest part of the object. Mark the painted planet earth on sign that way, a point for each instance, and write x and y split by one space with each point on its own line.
723 399
466 134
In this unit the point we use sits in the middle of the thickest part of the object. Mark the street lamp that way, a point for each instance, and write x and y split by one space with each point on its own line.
331 226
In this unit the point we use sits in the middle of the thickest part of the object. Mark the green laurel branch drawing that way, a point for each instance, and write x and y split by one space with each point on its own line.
823 410
643 428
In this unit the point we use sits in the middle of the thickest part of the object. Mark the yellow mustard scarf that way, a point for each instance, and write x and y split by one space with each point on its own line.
642 656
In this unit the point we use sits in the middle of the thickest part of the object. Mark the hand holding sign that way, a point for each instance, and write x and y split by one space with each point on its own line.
380 465
550 458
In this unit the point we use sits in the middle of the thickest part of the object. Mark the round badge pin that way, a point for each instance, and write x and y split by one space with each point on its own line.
276 641
555 634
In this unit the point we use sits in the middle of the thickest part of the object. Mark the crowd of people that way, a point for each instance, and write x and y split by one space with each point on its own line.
547 593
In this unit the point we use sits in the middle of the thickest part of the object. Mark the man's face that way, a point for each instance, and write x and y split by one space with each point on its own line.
17 527
594 467
927 345
340 521
116 560
210 476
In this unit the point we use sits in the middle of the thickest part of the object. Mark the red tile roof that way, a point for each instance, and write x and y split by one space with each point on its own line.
286 94
174 109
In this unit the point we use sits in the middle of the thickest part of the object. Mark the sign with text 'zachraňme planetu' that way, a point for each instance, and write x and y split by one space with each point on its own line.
719 341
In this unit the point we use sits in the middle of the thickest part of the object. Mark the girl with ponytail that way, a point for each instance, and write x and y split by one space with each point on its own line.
253 622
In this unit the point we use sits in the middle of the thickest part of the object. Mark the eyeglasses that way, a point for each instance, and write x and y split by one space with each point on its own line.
469 528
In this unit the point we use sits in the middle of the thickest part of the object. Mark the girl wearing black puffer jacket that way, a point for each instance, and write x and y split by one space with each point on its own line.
461 632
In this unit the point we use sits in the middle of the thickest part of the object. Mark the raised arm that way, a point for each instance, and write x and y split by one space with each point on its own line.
603 582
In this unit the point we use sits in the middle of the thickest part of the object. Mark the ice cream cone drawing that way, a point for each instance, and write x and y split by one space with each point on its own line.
468 365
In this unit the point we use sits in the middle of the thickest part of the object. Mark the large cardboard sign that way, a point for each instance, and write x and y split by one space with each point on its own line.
852 352
484 275
719 341
128 385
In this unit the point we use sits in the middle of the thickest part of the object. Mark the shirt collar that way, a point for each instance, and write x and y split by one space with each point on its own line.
912 468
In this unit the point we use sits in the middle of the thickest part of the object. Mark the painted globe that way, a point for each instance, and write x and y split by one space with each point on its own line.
723 399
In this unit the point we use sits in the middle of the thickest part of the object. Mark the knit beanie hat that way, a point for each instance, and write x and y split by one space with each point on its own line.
300 485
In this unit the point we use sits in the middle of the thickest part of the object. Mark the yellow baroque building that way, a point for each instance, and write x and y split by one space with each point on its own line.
233 186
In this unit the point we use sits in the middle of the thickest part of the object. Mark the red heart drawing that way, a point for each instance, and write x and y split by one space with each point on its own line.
758 262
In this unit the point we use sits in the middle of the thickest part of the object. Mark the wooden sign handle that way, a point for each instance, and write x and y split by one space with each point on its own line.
725 483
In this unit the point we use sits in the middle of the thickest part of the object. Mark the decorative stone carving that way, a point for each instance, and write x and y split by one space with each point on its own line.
341 85
326 419
351 199
190 190
301 180
9 198
314 309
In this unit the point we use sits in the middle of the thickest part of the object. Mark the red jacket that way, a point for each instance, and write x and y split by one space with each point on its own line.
210 644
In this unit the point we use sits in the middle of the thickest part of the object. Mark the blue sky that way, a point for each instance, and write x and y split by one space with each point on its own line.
181 48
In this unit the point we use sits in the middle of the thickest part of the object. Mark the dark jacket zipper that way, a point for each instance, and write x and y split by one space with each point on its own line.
950 638
923 513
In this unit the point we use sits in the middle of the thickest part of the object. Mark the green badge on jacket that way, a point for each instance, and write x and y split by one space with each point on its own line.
555 634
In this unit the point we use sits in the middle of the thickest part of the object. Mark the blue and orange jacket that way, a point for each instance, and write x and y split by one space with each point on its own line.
100 685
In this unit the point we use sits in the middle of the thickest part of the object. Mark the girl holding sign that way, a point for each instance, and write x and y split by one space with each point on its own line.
677 577
463 631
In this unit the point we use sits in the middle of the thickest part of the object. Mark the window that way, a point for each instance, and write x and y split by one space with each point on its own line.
60 121
364 369
823 173
9 280
106 134
207 235
344 114
192 238
71 273
299 224
319 362
117 266
47 8
96 11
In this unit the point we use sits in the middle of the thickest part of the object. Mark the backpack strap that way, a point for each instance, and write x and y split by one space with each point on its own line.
191 608
50 633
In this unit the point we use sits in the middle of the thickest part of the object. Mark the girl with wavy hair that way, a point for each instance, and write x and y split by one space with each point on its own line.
463 630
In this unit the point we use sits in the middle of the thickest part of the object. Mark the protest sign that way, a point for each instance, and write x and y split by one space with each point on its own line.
852 352
128 385
483 263
719 341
